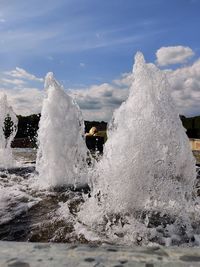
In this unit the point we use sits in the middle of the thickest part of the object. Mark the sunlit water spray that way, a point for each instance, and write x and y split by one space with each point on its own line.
147 173
6 113
62 153
142 189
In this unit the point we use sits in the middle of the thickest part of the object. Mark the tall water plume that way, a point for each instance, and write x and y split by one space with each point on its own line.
147 161
61 157
6 115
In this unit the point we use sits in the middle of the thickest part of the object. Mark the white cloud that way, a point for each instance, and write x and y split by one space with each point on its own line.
25 101
185 84
15 82
22 95
124 80
98 102
23 74
173 55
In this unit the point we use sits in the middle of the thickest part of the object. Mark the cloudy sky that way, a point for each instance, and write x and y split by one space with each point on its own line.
90 44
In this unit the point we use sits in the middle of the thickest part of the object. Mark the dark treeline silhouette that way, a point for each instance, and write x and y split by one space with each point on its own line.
28 127
192 126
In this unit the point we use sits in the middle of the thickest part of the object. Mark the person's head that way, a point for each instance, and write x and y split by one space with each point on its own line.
93 131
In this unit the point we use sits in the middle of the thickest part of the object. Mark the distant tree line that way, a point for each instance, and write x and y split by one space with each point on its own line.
192 126
28 127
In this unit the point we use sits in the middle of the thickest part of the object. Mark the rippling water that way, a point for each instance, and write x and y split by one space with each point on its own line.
29 214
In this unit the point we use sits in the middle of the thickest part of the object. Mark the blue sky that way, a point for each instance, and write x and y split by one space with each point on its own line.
92 42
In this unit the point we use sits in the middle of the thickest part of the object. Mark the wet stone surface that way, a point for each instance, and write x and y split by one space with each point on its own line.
21 254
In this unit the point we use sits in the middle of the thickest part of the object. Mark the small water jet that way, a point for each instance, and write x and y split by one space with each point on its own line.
7 115
62 153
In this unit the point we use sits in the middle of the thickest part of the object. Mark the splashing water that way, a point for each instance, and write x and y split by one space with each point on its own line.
141 188
6 111
147 170
61 158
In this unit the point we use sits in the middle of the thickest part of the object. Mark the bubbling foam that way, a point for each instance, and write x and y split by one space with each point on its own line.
6 111
61 157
